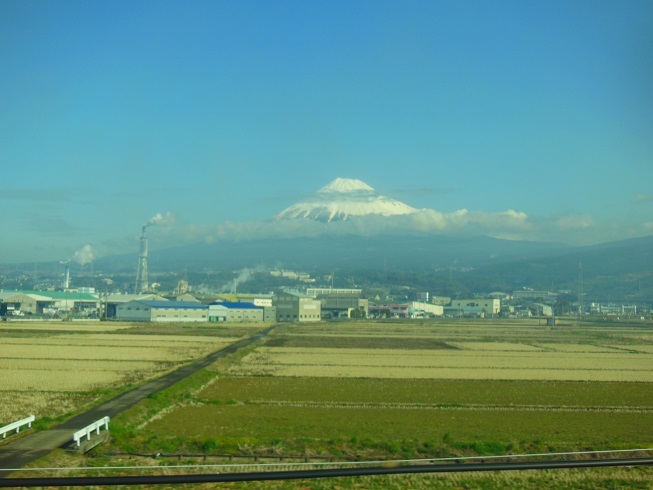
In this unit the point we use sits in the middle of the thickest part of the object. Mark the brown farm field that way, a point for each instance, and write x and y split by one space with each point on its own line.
369 390
419 389
51 369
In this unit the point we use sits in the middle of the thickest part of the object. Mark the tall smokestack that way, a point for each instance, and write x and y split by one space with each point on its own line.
141 273
66 277
65 284
142 284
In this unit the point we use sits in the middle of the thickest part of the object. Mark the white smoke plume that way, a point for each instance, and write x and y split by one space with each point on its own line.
159 219
244 275
84 255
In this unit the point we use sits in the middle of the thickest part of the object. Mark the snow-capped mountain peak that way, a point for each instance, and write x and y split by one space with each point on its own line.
346 185
344 198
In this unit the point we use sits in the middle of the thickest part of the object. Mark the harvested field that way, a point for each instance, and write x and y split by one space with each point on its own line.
108 353
479 363
126 340
59 380
443 373
25 403
356 342
77 365
42 364
512 385
497 346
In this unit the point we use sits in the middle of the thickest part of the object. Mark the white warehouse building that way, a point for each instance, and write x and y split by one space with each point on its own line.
162 311
475 306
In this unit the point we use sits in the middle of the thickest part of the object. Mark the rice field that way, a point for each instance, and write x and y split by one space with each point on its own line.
339 423
366 390
50 369
469 360
381 390
428 392
17 404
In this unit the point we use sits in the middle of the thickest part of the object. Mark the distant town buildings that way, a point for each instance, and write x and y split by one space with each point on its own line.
310 305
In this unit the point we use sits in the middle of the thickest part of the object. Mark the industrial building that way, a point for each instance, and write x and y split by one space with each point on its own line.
112 301
239 311
534 295
343 305
412 309
47 303
18 303
162 311
293 306
474 307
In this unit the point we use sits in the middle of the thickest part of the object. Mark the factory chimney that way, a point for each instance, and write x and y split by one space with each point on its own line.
142 284
66 277
65 284
141 273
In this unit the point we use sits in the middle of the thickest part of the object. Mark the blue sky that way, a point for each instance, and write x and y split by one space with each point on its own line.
223 113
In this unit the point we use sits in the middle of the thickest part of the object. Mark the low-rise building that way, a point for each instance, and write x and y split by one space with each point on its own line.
612 309
228 311
49 302
112 301
474 307
293 306
412 309
162 311
342 304
531 294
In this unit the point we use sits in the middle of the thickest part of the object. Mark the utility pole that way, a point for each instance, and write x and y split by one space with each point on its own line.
580 289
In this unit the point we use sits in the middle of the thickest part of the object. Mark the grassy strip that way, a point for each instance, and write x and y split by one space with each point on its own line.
384 427
433 391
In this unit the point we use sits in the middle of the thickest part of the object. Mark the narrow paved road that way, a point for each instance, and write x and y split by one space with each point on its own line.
34 446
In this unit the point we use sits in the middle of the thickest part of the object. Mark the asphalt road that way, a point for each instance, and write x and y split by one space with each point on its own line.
34 446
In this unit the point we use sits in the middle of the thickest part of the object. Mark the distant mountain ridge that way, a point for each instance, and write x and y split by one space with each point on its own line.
348 226
411 252
612 271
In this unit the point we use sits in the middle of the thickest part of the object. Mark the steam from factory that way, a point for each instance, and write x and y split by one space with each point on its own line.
142 281
83 256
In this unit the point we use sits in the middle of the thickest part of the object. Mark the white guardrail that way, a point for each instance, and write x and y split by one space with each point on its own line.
17 425
86 431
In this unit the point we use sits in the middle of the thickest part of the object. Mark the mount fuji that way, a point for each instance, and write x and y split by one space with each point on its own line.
344 198
347 224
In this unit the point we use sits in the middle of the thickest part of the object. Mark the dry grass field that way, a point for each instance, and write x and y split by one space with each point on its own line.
49 369
481 350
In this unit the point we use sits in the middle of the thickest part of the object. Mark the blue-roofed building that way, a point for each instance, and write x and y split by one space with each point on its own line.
162 311
237 311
